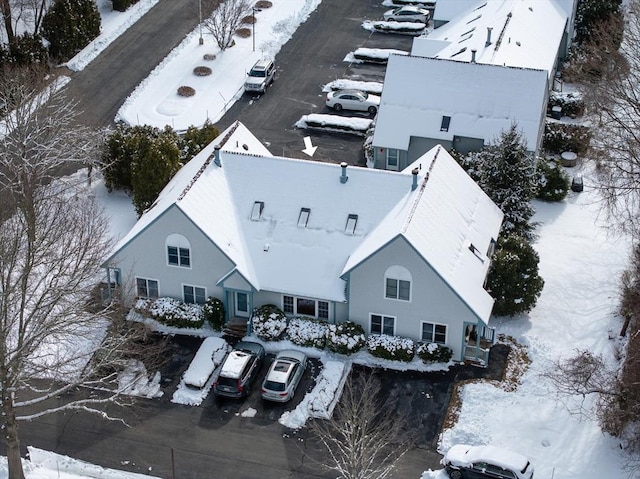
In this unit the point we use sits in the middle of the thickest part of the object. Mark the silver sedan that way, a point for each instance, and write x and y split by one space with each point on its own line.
284 375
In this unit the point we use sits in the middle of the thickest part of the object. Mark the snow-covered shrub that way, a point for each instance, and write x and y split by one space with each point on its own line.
214 313
308 332
553 182
172 312
391 347
345 338
185 90
434 353
570 102
269 322
559 137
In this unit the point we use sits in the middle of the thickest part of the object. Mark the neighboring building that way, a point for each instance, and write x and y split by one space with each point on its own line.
466 111
403 253
470 79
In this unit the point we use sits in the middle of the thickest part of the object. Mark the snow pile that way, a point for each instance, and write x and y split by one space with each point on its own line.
342 124
249 412
320 402
45 464
135 381
209 356
406 28
375 55
373 87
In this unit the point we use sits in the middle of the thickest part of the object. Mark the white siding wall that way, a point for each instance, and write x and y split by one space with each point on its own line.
146 256
431 299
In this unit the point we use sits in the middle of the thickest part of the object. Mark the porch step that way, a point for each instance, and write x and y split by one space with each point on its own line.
236 327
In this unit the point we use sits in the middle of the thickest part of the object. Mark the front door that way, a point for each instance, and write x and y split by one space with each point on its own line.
242 304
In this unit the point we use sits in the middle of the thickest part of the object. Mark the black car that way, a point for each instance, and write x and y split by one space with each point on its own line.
239 370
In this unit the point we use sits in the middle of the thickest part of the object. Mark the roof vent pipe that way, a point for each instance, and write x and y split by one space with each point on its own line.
414 172
344 177
473 56
488 42
216 155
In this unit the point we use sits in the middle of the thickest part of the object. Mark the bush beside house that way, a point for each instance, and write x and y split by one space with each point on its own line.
395 348
434 353
172 312
308 333
214 313
345 338
269 322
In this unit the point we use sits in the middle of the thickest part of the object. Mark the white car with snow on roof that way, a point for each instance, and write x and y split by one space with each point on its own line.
284 375
482 462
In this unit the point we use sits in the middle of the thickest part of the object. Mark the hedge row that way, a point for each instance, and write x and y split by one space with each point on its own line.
271 324
559 137
175 313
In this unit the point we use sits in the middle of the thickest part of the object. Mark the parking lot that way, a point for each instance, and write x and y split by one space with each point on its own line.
312 58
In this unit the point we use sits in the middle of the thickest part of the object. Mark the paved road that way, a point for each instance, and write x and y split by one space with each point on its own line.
103 86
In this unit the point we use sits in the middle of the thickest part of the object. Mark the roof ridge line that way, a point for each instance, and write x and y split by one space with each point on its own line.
420 191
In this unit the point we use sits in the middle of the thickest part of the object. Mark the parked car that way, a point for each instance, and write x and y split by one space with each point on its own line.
408 13
284 375
260 76
203 364
353 100
239 370
481 462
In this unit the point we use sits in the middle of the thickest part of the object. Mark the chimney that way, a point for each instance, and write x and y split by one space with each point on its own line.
473 56
414 172
344 177
216 155
488 42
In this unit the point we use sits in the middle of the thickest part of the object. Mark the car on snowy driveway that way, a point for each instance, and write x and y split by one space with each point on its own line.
485 462
407 14
353 100
284 375
239 370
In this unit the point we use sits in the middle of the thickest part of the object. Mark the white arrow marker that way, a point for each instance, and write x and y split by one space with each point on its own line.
309 149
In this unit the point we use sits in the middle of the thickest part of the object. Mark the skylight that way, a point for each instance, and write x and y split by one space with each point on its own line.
352 221
256 211
303 218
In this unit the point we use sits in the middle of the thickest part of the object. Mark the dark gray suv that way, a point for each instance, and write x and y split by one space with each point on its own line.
239 370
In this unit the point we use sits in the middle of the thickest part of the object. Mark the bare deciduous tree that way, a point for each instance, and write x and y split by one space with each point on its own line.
364 438
52 243
609 69
225 20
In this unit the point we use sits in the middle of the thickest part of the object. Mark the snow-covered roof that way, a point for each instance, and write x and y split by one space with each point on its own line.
524 33
291 226
481 101
450 222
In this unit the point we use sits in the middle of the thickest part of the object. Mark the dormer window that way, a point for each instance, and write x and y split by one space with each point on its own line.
256 211
352 221
446 121
303 218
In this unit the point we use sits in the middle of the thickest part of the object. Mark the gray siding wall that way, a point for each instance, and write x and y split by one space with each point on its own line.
146 256
419 146
380 158
431 299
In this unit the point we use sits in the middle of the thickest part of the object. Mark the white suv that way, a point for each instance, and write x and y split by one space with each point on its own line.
260 76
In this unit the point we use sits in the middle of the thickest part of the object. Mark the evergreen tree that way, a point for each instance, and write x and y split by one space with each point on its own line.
70 25
155 161
195 139
513 279
592 13
507 176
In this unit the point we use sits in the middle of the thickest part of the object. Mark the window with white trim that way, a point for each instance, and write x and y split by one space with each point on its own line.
178 251
194 294
381 324
434 333
305 307
397 283
147 288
